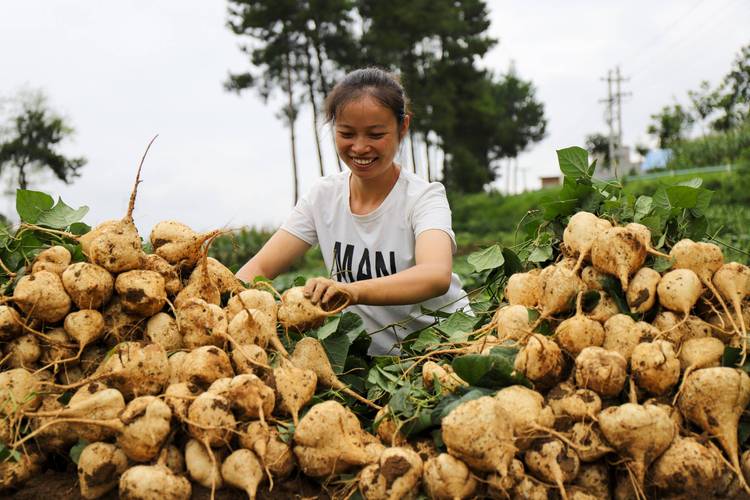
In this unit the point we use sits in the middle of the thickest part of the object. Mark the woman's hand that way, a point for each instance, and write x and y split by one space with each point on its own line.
323 290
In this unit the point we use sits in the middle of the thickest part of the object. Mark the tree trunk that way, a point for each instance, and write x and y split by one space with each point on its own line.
413 154
427 155
324 88
313 101
22 183
291 116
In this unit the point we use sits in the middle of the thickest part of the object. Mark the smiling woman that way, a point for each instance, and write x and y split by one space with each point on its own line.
384 233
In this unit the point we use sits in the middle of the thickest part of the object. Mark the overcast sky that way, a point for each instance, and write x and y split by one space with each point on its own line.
124 71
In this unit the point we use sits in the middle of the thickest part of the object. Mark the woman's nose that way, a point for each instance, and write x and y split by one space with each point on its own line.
360 145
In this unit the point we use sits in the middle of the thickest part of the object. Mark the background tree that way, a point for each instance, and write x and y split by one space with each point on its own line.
733 95
671 125
598 144
30 140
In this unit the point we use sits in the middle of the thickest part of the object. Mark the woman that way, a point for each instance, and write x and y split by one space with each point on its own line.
384 232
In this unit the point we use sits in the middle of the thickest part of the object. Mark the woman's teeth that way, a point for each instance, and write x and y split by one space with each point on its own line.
363 162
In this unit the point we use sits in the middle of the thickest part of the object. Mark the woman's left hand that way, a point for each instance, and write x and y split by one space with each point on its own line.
322 290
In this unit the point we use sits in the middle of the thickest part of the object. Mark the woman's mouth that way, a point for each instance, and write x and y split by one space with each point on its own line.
362 162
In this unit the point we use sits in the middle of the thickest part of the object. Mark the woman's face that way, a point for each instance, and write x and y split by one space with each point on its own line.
368 136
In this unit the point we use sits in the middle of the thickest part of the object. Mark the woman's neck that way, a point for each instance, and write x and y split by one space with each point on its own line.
366 196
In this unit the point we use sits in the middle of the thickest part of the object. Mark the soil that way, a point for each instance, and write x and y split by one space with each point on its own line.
56 485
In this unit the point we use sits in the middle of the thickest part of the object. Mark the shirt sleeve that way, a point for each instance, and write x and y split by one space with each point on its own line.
431 211
301 222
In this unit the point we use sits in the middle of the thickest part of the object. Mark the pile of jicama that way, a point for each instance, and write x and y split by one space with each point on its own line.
172 372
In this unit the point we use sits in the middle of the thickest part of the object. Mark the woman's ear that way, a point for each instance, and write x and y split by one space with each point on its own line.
404 126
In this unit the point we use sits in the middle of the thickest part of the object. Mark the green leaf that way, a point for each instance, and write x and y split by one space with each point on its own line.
299 281
427 338
31 204
77 449
492 371
349 327
541 254
612 286
512 264
81 228
643 206
661 264
459 396
489 258
8 453
61 215
731 356
458 326
574 162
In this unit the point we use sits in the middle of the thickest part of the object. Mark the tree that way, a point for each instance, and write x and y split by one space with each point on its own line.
733 95
671 125
31 138
598 144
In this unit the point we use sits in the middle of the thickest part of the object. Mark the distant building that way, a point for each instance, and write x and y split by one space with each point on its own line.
550 181
656 158
624 165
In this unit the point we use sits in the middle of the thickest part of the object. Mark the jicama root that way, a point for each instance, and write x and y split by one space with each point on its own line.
552 461
203 365
153 482
147 426
115 244
220 275
527 412
99 468
655 367
602 371
42 296
329 440
210 419
641 295
204 465
644 234
297 312
579 332
577 404
732 280
202 284
172 282
704 259
295 387
523 289
243 470
559 289
714 399
201 323
177 243
581 232
444 375
310 355
396 475
89 286
479 432
161 328
688 468
541 361
142 293
135 369
448 478
590 444
619 252
512 322
641 433
54 259
275 455
678 291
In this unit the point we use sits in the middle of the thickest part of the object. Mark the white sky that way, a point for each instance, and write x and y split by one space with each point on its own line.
123 71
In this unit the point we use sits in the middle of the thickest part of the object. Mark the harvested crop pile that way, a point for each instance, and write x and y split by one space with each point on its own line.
597 368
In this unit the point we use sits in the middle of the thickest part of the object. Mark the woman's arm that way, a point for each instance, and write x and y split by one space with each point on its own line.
428 278
275 257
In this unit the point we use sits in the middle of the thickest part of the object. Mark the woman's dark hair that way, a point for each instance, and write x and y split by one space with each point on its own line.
385 87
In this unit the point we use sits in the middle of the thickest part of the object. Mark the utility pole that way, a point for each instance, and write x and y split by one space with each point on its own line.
613 117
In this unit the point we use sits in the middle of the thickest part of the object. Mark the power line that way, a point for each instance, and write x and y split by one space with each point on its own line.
613 117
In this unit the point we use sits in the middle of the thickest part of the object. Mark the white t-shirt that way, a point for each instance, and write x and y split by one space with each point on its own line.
381 243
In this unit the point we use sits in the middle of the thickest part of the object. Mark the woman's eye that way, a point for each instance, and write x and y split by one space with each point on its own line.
376 136
346 135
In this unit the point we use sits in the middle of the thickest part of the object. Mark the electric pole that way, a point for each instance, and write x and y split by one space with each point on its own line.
613 117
